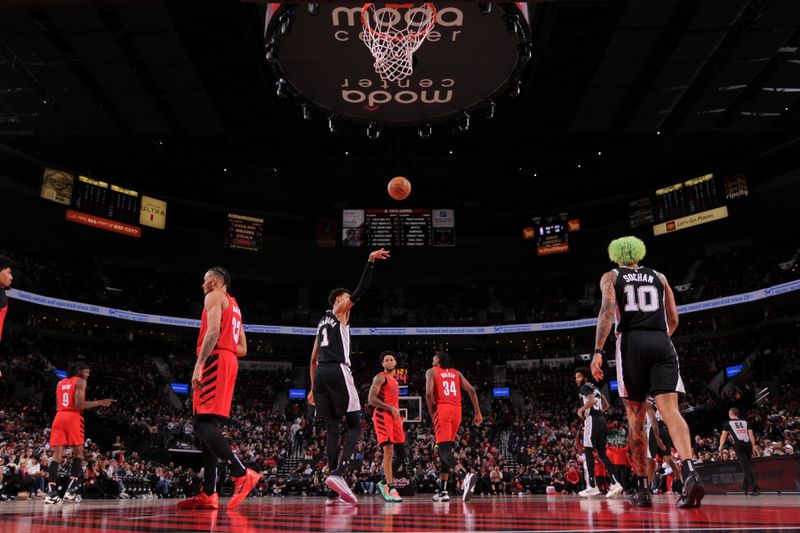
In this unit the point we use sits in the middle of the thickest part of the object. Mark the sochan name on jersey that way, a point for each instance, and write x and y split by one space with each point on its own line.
638 276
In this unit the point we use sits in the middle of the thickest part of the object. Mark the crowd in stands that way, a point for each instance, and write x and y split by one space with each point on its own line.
524 446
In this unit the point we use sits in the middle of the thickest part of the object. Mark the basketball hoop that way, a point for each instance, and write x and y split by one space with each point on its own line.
393 33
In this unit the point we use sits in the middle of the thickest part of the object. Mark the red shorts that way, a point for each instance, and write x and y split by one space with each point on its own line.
219 379
387 429
446 422
67 429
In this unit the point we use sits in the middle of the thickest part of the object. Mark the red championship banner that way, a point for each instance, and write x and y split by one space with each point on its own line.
103 223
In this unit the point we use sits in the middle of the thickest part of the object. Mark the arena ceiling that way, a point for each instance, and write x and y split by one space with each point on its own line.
176 96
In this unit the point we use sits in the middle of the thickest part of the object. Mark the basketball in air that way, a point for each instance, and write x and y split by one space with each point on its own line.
399 188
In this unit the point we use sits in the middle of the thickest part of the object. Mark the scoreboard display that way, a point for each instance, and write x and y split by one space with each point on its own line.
687 198
551 234
105 200
244 232
401 375
398 227
687 203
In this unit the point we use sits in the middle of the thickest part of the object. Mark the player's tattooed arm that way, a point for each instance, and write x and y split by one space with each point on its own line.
605 319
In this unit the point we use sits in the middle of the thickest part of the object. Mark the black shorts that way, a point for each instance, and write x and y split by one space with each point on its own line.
655 451
334 391
595 432
647 364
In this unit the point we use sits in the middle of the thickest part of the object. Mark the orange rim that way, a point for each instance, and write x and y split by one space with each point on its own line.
408 37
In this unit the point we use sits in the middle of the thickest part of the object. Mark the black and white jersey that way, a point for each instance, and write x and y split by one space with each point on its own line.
640 300
333 340
739 430
584 392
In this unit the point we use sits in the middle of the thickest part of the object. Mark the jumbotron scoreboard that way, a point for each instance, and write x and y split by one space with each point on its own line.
688 203
106 200
398 227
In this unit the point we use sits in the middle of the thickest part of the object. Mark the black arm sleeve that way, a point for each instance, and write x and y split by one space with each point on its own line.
363 285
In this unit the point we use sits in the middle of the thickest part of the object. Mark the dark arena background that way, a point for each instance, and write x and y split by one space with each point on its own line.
143 142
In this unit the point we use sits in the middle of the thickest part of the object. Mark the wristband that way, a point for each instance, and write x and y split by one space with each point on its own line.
599 351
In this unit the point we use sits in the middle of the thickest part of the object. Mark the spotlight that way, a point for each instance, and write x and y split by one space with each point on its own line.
424 132
306 111
313 9
525 53
271 52
464 127
485 7
512 24
281 89
332 124
287 21
491 110
516 89
373 131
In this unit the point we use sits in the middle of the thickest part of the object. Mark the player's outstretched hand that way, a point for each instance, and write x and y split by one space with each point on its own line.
379 254
311 398
597 367
107 402
477 419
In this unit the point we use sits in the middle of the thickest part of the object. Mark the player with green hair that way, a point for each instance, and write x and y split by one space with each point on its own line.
640 302
627 251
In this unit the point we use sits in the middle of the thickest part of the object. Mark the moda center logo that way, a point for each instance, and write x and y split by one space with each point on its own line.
326 61
347 25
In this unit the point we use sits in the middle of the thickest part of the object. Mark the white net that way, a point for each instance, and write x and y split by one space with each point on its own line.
393 32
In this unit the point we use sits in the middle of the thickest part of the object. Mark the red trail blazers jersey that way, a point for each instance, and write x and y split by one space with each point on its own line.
447 386
229 328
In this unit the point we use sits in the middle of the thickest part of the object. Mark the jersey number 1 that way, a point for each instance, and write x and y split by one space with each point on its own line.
324 333
641 298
